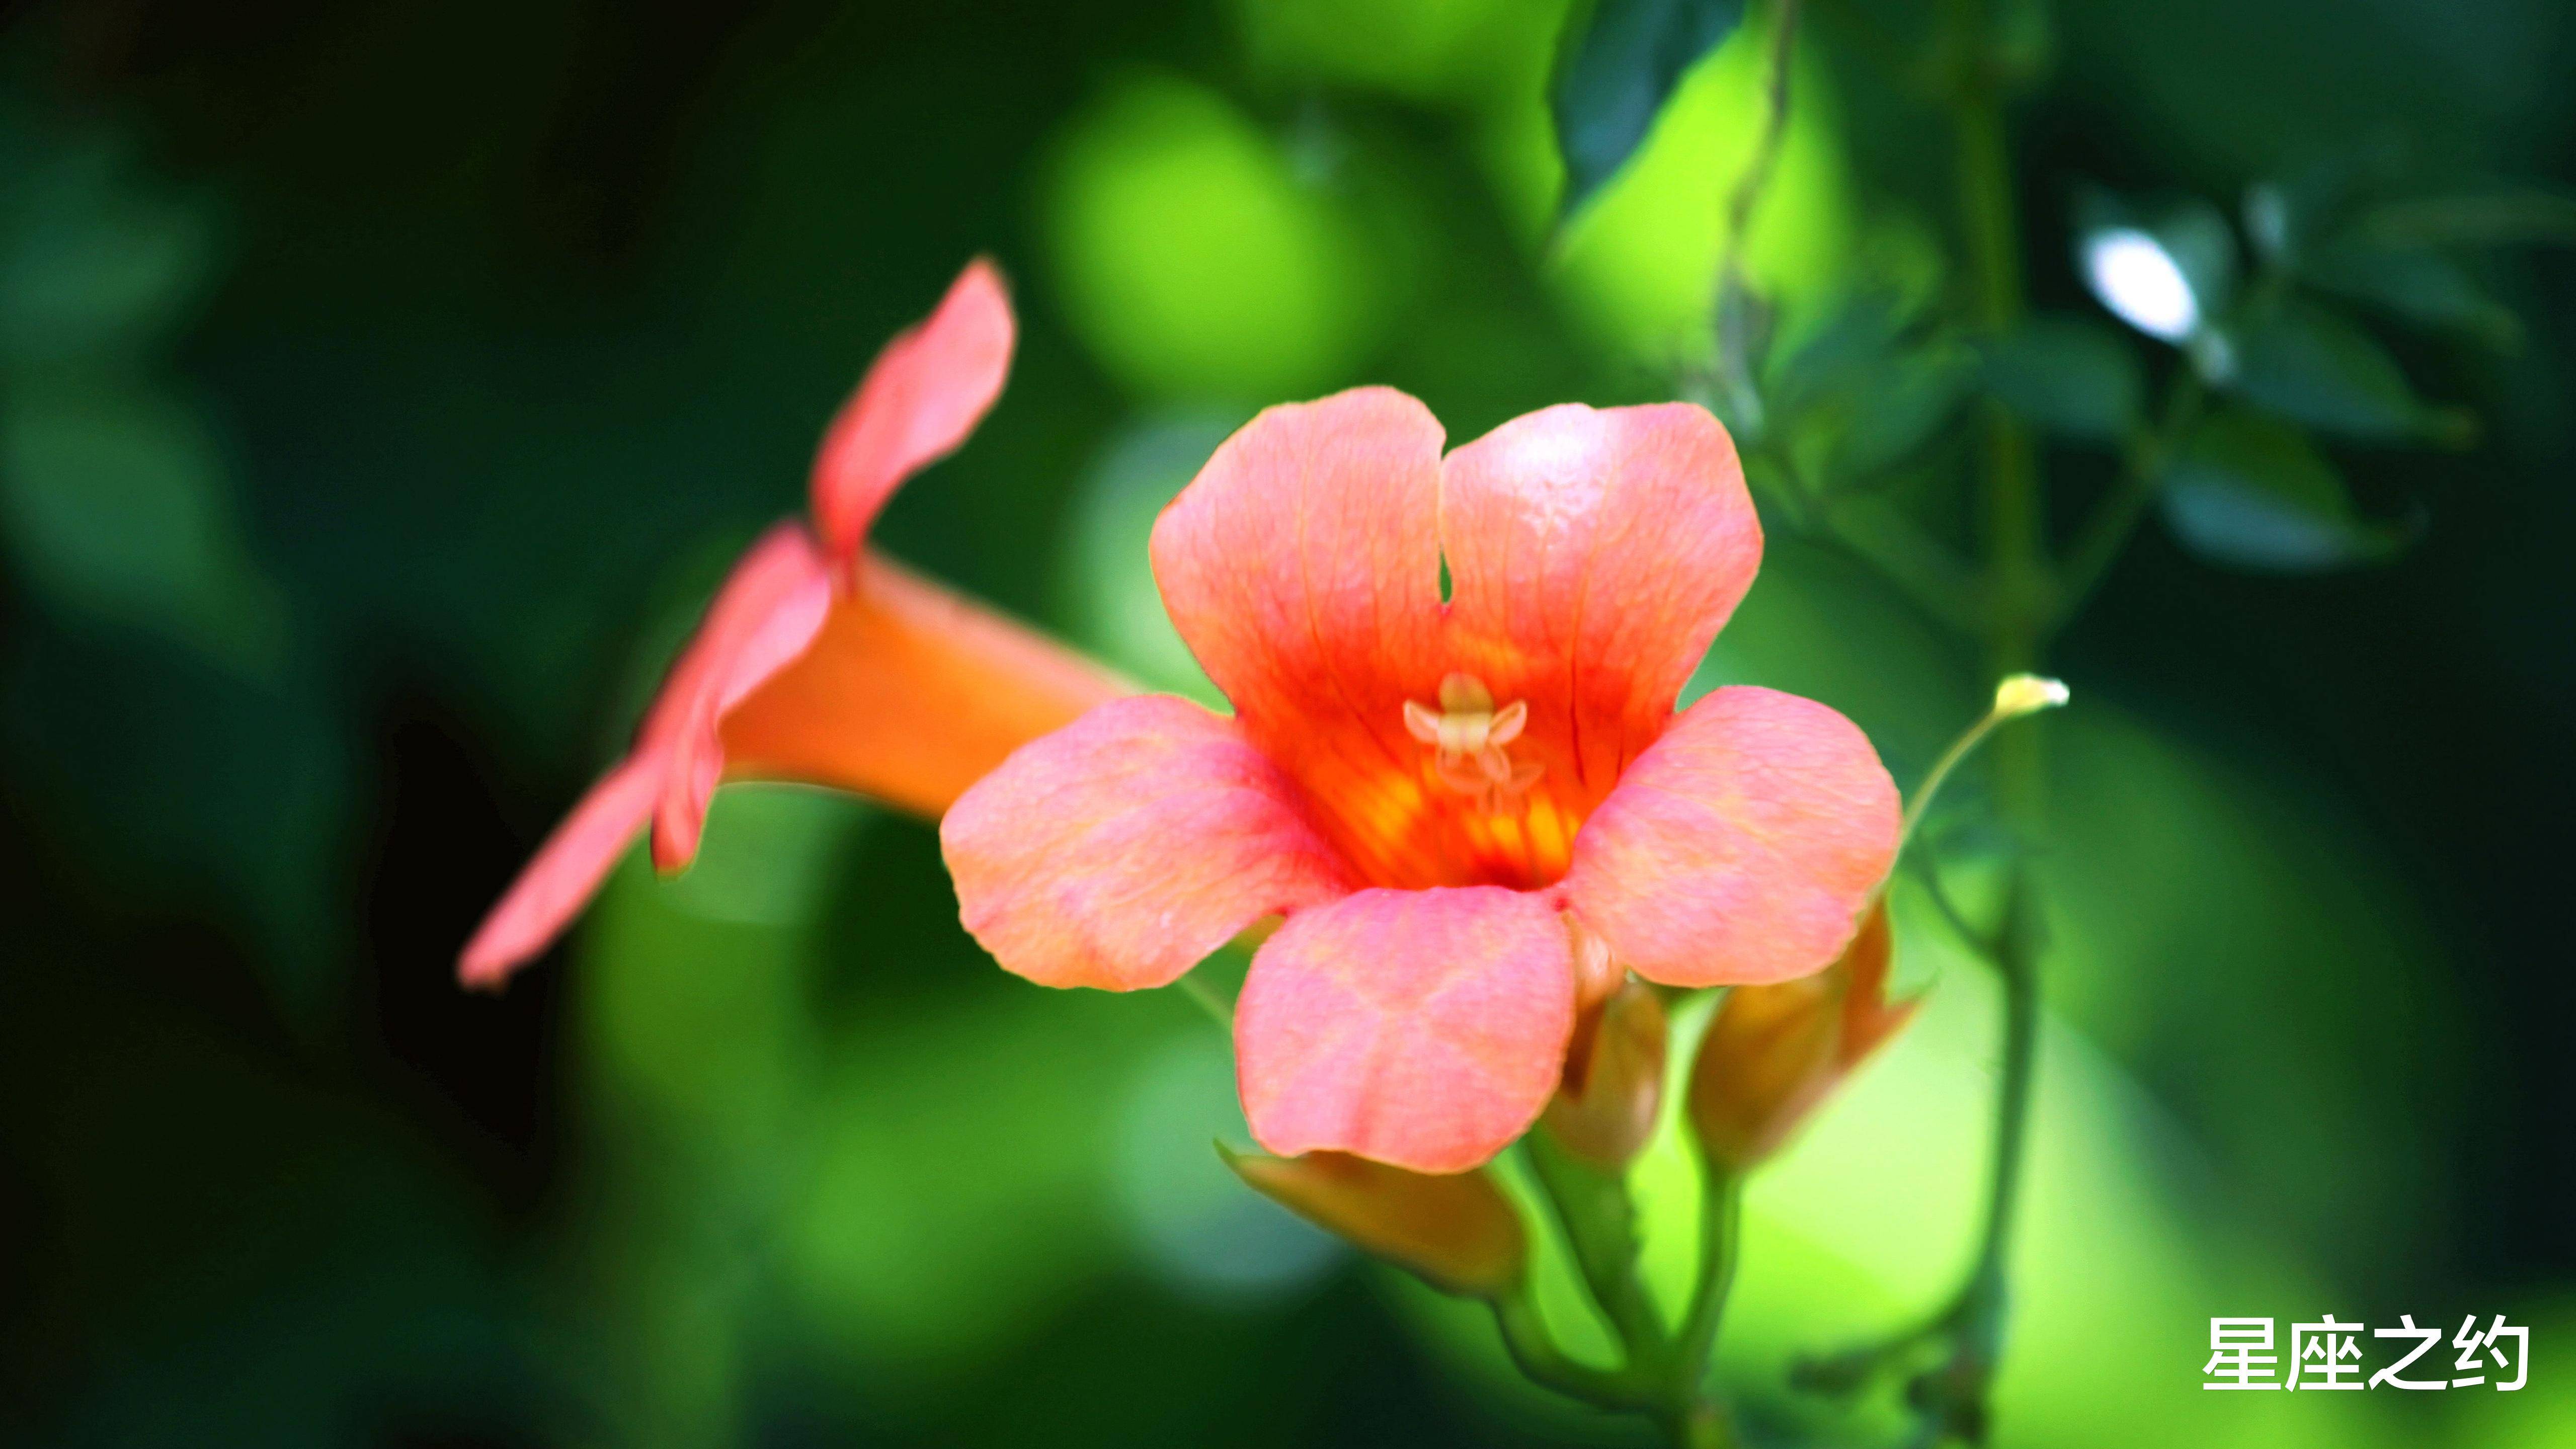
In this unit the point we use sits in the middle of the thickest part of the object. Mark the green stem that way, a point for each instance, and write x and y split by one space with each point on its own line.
2017 961
1927 789
1663 1376
1929 877
1535 1352
1600 1228
1734 322
2016 555
2107 532
1721 1223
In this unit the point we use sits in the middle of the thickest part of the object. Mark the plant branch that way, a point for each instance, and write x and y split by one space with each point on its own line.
1198 988
1954 1392
1542 1362
1721 1215
1600 1228
2107 532
1733 302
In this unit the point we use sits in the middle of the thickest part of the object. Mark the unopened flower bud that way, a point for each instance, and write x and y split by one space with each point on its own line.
1604 1110
1596 974
2021 694
1773 1054
1458 1233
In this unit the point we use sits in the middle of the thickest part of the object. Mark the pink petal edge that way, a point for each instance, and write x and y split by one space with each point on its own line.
924 393
1593 555
766 614
1741 847
921 397
561 878
1423 1029
1120 850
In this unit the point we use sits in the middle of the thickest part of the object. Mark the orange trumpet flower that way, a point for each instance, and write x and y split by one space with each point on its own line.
820 659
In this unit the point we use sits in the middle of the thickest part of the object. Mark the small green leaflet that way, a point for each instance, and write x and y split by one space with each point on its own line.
1619 66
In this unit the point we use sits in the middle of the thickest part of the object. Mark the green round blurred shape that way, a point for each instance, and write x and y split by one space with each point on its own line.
1110 604
1195 260
114 501
1194 1224
1426 50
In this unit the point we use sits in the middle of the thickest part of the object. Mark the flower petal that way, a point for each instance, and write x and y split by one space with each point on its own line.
768 611
1741 847
921 397
909 694
1593 555
888 685
1122 849
1302 566
1424 1029
565 872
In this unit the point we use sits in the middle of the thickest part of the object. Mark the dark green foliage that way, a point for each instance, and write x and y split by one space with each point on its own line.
1620 63
2250 491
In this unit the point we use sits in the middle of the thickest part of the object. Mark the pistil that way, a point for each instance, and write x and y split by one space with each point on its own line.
1468 737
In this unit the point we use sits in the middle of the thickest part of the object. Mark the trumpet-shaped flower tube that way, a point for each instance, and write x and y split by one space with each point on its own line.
1773 1054
1453 765
821 660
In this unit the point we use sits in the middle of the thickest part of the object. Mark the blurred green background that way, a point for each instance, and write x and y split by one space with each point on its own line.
383 387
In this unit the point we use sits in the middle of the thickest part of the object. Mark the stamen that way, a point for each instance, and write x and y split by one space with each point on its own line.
1467 735
1465 694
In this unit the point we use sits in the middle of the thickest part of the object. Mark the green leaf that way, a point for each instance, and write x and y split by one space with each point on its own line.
2287 215
1900 406
1865 390
92 261
115 503
2413 285
1623 64
2313 366
1855 339
2251 492
2068 375
2523 216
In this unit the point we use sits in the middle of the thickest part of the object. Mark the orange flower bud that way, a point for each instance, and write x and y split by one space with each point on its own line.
1774 1053
1604 1110
1459 1232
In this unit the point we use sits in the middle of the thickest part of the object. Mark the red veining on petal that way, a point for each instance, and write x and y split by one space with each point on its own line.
1592 554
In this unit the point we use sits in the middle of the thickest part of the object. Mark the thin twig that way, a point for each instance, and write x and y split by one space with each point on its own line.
2107 532
1589 1204
1199 989
1534 1351
1721 1213
1734 324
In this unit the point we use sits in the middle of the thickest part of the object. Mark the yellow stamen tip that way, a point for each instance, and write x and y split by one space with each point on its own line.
2022 694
